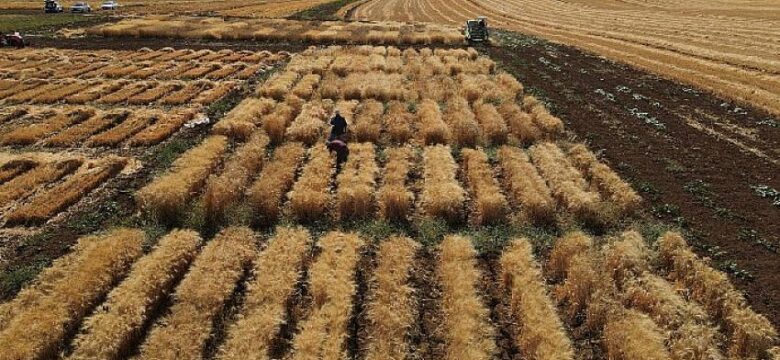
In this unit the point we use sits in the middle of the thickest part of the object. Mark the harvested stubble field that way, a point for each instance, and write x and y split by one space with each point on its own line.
393 256
282 30
727 47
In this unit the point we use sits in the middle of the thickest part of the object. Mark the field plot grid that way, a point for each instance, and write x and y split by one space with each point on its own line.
465 222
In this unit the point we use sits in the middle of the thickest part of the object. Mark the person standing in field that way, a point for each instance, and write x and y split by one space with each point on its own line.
341 149
338 127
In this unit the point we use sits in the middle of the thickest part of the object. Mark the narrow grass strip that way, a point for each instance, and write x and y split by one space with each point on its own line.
276 274
468 332
442 196
356 183
26 183
266 194
489 204
540 335
323 335
394 197
525 187
391 311
309 196
117 323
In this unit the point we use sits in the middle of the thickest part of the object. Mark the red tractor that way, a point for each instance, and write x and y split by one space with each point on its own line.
15 40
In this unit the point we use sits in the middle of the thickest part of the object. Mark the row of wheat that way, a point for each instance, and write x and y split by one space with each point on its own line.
276 29
76 126
116 92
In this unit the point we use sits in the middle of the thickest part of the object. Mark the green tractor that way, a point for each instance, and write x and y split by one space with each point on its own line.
477 30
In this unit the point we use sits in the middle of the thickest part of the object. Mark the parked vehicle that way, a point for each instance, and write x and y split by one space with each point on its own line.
80 7
51 6
476 30
109 5
15 40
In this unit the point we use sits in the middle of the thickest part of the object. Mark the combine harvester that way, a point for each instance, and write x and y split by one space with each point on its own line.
477 30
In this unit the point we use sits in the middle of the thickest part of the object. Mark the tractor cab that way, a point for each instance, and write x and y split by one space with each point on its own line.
477 30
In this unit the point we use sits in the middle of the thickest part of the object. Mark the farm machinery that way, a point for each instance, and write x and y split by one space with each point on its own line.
15 40
477 30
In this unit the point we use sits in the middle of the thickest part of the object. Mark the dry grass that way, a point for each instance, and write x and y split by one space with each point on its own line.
399 122
367 126
153 94
432 128
305 88
122 95
14 168
27 135
275 124
356 183
631 335
228 187
217 92
163 128
135 123
608 182
168 194
279 85
309 196
550 125
566 183
525 187
750 334
468 333
492 124
541 334
37 321
184 332
442 196
309 124
265 196
44 205
277 271
26 183
391 309
332 284
489 204
462 122
242 121
108 332
187 93
394 197
87 128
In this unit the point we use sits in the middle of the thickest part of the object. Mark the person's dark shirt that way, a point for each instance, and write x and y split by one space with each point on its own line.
339 125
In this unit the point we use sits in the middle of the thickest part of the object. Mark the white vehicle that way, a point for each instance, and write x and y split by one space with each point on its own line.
109 5
80 7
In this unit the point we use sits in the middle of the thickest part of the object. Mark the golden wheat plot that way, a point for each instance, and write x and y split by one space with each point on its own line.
309 124
468 333
519 123
279 85
306 87
108 332
275 124
391 310
201 296
166 195
332 279
46 204
78 133
367 126
227 188
550 125
14 168
462 122
398 122
308 198
432 127
541 334
626 333
489 204
27 135
442 196
525 187
357 182
491 122
277 271
266 195
42 315
394 197
163 127
608 182
242 121
566 183
135 123
750 334
26 183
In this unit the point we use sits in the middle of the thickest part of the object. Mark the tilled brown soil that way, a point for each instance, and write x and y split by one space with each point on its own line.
693 156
